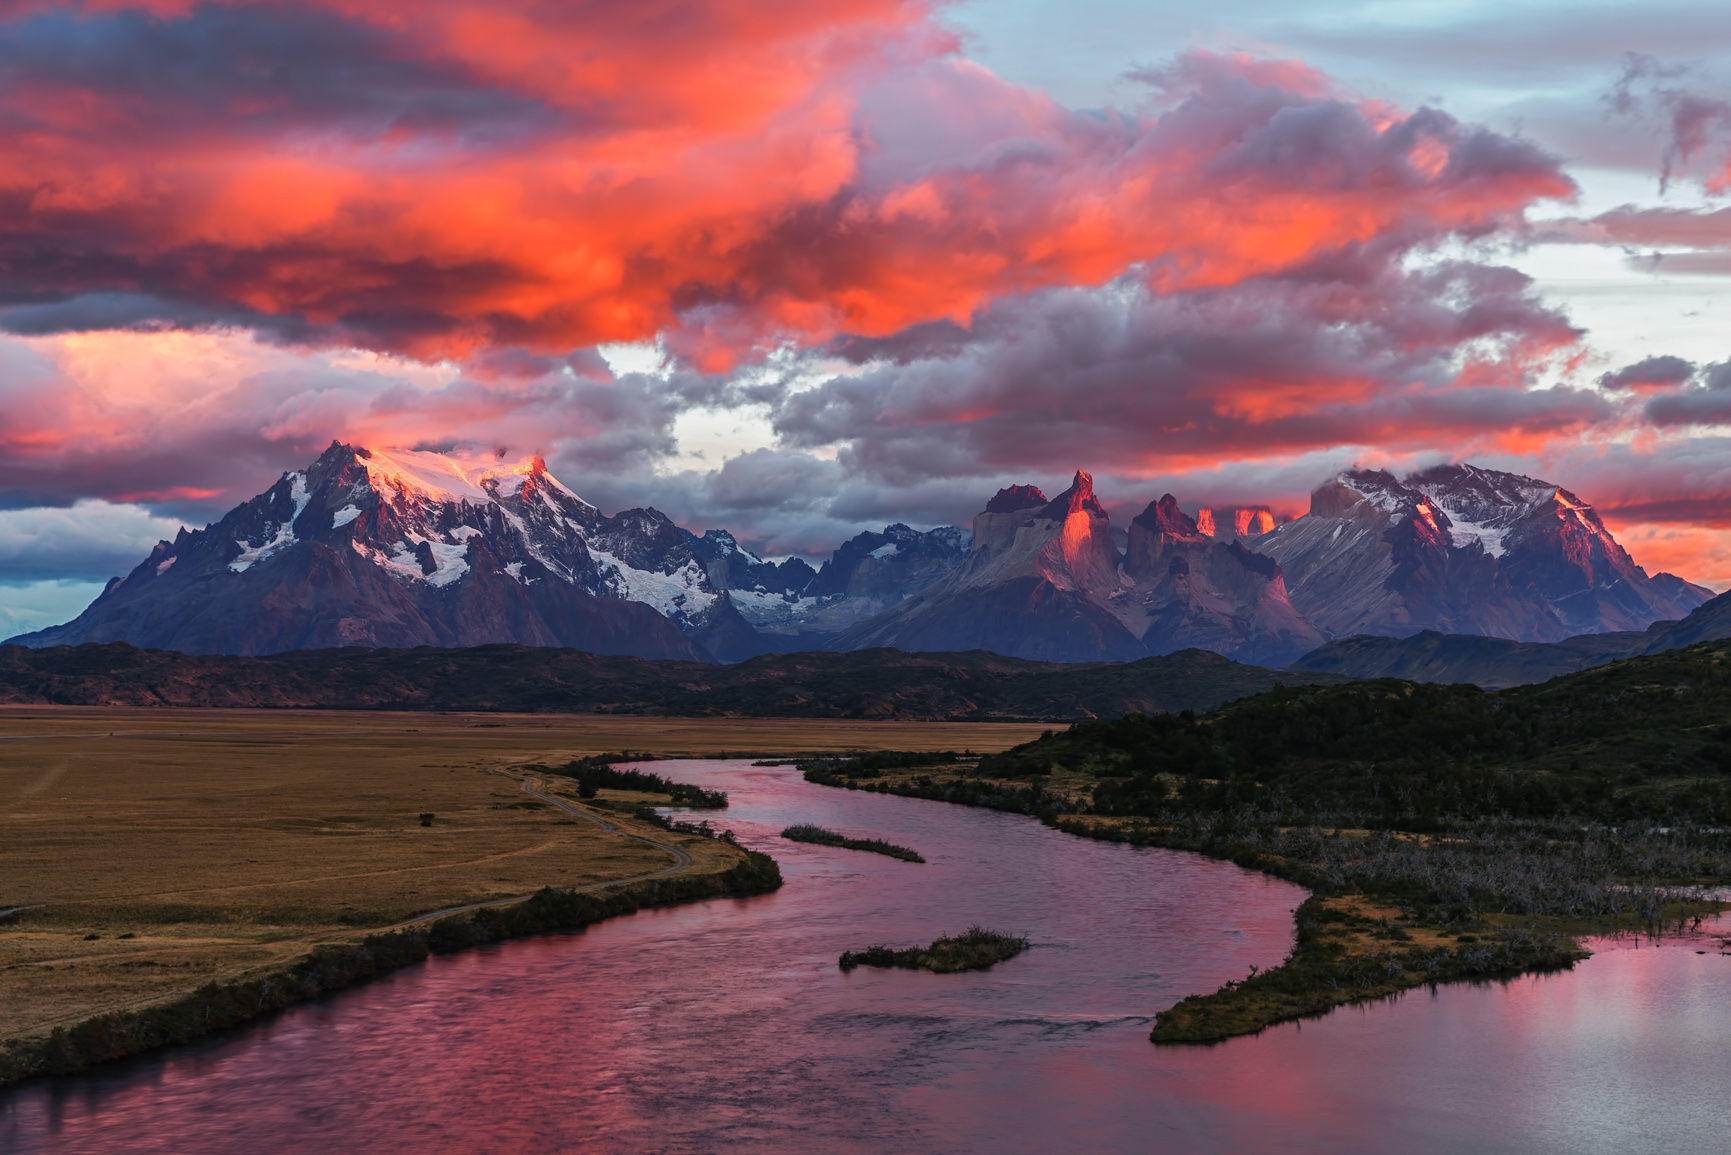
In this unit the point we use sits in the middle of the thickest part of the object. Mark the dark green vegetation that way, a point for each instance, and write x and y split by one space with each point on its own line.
328 968
1645 738
974 949
823 837
598 773
973 686
1446 831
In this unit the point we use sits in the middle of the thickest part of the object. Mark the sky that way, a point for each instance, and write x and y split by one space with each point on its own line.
797 268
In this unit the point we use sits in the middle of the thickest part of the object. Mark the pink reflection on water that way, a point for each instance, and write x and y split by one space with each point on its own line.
726 1025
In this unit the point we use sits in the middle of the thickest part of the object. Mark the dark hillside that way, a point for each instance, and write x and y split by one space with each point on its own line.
864 684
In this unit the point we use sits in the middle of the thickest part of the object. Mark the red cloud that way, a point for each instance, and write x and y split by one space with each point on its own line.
732 173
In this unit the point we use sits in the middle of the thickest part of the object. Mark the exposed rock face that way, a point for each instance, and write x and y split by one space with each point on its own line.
1044 579
381 549
1554 550
1194 590
1246 521
1032 586
1464 550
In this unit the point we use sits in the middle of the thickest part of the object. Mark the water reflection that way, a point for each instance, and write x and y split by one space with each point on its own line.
726 1024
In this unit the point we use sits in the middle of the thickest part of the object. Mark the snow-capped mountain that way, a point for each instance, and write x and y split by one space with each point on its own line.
1464 550
384 548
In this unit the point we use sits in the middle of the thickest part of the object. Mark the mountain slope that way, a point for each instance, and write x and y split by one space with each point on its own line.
1495 663
795 607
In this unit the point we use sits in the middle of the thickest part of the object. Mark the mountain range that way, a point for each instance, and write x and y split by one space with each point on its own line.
401 548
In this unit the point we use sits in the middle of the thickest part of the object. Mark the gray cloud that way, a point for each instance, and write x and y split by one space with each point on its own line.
90 541
1657 372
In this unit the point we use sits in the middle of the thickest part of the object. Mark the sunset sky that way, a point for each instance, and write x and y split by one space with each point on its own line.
797 268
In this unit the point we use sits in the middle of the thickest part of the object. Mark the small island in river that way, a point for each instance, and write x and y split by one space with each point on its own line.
974 949
806 832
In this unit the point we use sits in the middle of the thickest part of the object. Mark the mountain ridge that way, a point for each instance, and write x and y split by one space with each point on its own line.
396 548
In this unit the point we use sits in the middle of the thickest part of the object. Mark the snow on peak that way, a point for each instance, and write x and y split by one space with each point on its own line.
682 592
479 479
1379 488
1485 505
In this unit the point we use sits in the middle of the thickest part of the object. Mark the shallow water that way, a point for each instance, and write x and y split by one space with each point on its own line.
726 1024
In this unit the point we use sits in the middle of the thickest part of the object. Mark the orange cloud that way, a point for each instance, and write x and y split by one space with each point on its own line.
730 173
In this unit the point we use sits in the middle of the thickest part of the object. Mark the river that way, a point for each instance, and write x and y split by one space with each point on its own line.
726 1025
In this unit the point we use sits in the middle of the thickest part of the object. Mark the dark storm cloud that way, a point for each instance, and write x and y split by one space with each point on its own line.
1119 379
1707 402
1660 372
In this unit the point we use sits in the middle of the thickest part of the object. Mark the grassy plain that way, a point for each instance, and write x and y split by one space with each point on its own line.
145 853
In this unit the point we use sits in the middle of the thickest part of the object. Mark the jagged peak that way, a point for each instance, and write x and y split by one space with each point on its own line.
1164 517
1078 498
1012 498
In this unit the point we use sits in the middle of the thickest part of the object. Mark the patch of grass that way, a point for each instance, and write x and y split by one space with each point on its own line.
806 832
974 949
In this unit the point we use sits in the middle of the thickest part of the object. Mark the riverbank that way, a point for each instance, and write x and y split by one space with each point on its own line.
332 967
167 872
1372 927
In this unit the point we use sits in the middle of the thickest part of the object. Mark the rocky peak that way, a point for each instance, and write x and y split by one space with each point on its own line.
1369 494
1078 498
1243 521
1164 518
1012 498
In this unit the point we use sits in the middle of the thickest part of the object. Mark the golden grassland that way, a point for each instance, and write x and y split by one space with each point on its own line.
146 853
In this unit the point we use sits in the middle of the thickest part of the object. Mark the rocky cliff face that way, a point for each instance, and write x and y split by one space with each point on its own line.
1463 550
1032 586
1045 579
1193 589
